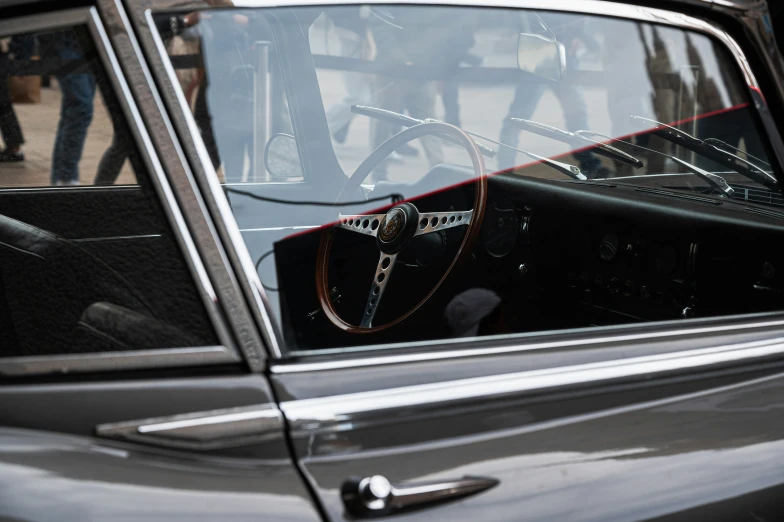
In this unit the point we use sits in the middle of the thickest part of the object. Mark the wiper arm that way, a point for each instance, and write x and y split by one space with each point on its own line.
576 140
401 119
714 180
408 121
710 149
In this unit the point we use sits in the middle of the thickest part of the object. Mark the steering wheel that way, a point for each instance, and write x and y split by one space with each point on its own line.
398 226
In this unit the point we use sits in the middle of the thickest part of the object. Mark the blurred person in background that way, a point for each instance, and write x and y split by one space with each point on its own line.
570 31
17 49
351 24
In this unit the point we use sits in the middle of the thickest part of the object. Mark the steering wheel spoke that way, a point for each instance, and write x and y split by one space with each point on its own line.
435 221
383 270
362 224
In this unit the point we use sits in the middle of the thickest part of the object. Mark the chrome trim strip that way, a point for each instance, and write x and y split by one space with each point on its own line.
158 177
117 361
114 238
204 430
251 283
327 413
383 360
277 229
249 343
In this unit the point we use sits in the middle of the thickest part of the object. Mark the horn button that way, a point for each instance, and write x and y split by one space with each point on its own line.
397 228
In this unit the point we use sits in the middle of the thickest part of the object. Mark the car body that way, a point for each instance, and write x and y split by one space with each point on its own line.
186 386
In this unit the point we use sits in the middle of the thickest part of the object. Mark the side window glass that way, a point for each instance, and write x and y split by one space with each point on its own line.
240 107
55 123
82 269
471 172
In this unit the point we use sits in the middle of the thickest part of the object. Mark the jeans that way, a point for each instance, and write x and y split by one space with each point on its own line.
526 98
359 90
76 114
9 124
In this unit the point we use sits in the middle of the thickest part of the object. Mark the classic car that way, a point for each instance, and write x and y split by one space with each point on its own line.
306 261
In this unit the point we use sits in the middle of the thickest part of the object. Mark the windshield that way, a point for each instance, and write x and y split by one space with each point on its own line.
314 115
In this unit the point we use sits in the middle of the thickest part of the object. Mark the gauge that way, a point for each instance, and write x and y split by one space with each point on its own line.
500 229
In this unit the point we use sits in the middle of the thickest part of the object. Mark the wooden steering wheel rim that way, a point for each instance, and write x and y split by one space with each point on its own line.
359 175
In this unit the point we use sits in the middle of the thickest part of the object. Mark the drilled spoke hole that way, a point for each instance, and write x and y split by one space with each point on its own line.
434 222
365 223
443 220
380 278
460 218
350 222
374 224
376 290
385 263
423 224
451 219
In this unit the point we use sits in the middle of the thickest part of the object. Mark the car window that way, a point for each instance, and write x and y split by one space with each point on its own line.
56 128
82 269
471 172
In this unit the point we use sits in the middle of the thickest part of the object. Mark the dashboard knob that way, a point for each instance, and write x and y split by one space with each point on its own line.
608 248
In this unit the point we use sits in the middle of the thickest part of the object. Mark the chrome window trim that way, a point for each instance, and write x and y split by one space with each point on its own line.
372 359
306 416
365 354
113 361
150 157
203 430
117 361
251 283
249 342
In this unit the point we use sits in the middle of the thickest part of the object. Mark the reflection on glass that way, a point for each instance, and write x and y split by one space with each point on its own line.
296 106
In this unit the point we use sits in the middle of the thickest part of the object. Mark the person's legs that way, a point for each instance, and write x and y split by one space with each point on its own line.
76 114
421 103
113 159
389 96
576 115
201 114
449 95
9 124
358 89
526 97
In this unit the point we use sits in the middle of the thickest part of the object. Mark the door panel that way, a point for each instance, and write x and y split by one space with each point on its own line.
704 446
49 433
45 476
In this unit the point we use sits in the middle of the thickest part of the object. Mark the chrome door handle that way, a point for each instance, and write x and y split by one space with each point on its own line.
376 496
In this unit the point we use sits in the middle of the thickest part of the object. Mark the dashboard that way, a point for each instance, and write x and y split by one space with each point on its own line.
604 253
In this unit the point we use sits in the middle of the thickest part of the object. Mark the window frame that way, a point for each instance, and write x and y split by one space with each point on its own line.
224 353
371 355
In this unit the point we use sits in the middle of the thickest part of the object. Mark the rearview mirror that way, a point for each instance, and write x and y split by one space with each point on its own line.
281 157
541 55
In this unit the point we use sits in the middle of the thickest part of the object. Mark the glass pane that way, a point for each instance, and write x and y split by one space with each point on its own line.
82 269
612 151
56 128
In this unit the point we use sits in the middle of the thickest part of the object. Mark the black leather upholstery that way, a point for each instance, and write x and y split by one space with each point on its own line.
50 283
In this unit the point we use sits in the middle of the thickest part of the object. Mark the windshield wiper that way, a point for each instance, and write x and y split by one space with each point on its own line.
577 140
714 180
401 119
711 149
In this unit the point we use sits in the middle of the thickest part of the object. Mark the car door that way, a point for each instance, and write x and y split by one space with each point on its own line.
128 389
666 416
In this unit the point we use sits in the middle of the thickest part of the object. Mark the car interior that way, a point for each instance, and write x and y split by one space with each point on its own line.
93 268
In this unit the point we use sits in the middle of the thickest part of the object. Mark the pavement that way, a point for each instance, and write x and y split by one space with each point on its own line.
39 126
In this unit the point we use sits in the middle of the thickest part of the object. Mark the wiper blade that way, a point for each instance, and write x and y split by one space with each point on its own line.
710 149
576 140
401 119
407 121
714 180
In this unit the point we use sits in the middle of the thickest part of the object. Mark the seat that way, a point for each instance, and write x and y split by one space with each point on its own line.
62 299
